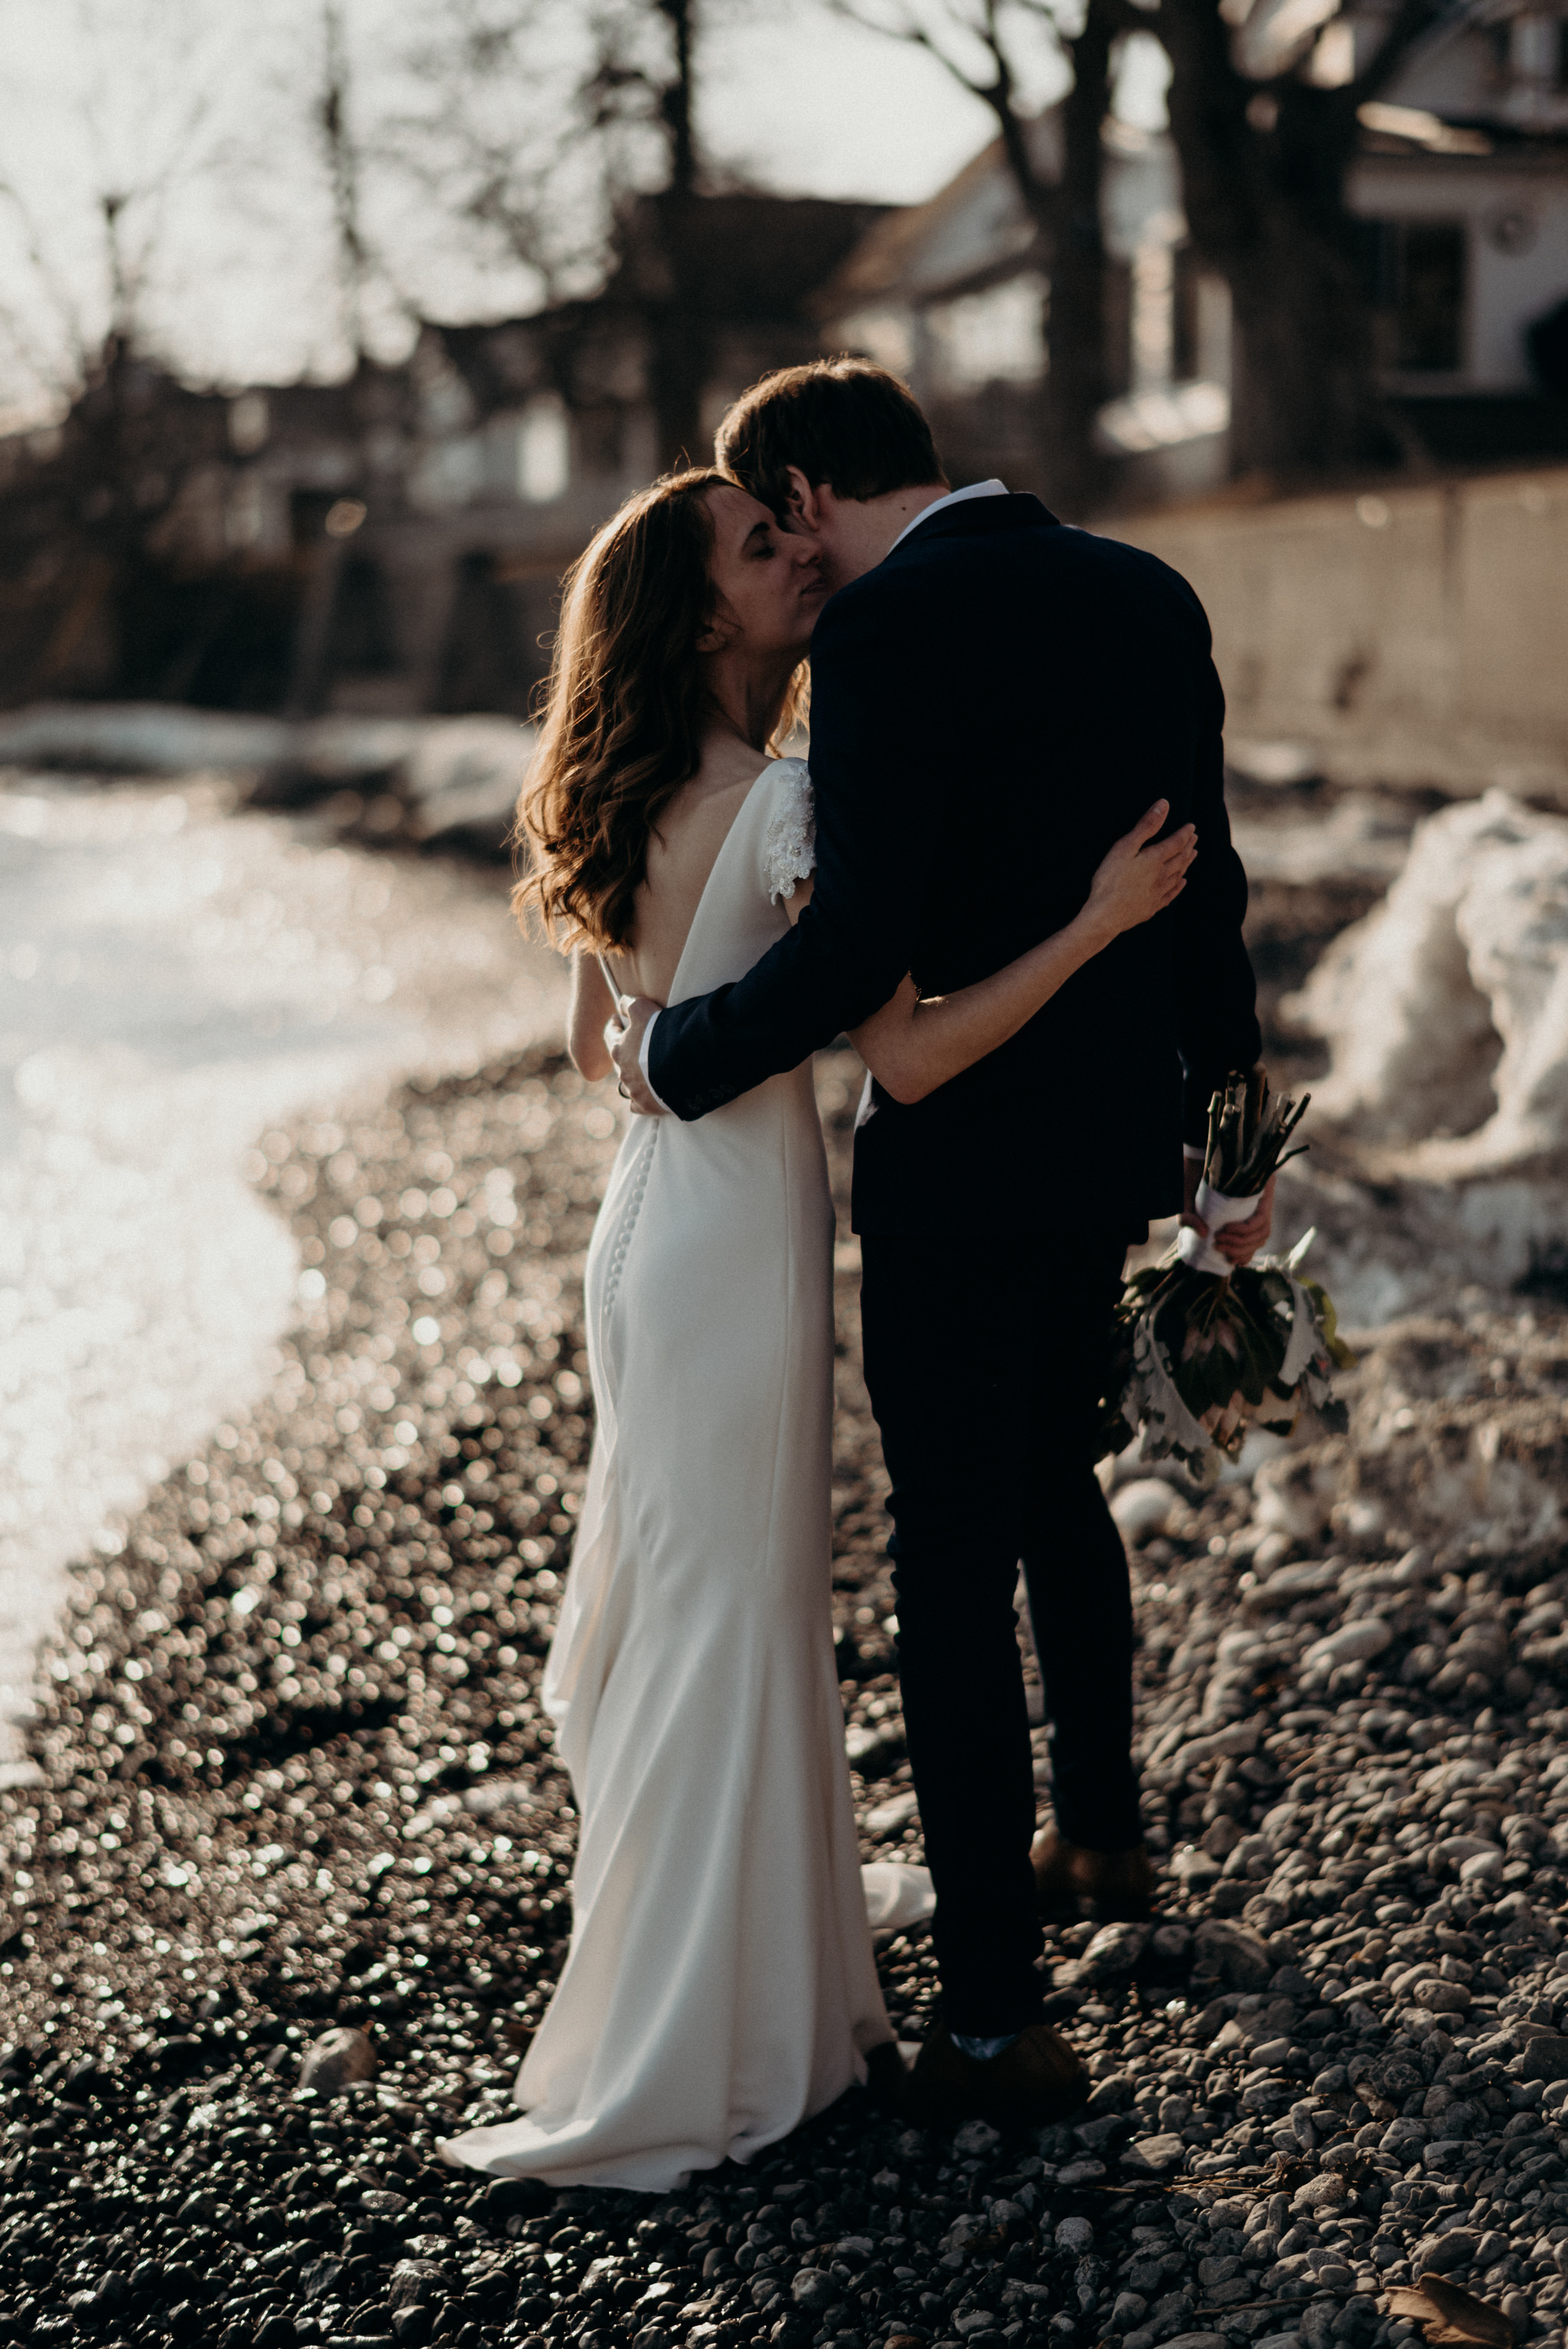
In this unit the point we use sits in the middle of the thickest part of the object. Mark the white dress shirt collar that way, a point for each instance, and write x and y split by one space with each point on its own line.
991 489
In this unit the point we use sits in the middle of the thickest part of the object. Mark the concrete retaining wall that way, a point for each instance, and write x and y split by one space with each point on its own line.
1410 636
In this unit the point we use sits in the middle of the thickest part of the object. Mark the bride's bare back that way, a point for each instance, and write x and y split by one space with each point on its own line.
681 854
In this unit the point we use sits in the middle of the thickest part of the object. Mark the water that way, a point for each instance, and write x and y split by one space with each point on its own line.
177 978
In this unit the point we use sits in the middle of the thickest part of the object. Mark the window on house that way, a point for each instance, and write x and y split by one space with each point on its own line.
1431 304
1420 270
886 335
249 422
996 336
543 451
1533 49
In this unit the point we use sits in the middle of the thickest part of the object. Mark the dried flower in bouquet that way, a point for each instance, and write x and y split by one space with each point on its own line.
1202 1351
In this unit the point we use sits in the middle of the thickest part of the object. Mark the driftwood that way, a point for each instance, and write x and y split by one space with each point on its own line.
1447 2313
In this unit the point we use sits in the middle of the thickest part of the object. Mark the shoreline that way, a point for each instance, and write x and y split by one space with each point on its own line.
1308 2083
183 976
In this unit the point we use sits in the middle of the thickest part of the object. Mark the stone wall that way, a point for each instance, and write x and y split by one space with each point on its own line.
1411 636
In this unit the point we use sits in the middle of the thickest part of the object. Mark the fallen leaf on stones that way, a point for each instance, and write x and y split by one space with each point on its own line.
1449 2314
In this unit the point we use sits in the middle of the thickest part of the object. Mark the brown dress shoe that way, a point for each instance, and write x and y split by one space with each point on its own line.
1070 1880
1036 2080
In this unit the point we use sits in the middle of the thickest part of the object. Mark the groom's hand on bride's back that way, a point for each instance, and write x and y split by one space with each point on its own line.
624 1038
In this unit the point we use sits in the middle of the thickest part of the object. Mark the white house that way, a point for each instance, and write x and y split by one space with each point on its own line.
953 295
1463 178
1465 170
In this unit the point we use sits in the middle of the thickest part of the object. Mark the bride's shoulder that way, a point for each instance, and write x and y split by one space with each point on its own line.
789 845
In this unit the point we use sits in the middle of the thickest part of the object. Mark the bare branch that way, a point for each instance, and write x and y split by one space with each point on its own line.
343 172
900 24
61 380
539 119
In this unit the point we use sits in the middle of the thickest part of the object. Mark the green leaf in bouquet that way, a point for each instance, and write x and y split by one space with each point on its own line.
1339 1353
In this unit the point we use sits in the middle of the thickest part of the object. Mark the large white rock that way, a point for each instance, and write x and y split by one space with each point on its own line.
1446 1008
1141 1508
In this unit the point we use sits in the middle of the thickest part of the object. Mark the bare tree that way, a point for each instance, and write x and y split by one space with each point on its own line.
979 43
569 139
542 118
1266 148
344 163
88 499
1265 155
84 256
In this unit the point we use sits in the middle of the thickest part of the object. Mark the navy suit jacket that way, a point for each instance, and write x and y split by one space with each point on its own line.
991 708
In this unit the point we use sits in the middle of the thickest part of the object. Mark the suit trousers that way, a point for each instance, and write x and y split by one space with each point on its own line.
986 1368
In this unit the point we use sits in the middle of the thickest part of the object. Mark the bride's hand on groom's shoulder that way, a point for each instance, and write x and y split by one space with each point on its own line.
623 1041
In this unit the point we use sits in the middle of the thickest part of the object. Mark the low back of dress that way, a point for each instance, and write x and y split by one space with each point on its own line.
720 1984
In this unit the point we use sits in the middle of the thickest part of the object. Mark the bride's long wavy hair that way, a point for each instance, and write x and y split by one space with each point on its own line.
624 712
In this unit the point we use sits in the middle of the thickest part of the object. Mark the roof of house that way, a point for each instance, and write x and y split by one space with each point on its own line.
741 256
917 246
732 260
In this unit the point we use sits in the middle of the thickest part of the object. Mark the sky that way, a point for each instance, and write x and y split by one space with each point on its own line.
196 113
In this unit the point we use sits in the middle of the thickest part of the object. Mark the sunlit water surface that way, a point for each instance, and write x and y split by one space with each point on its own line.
175 978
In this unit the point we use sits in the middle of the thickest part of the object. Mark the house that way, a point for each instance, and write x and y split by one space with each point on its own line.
1461 178
955 295
394 542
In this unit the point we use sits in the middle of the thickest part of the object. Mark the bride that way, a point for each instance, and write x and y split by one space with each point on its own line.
719 1984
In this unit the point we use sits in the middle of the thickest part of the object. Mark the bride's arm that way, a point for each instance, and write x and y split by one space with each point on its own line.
913 1044
593 1006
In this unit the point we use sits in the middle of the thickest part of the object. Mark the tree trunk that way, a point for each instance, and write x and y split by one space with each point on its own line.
679 335
680 352
1076 383
1303 399
1067 215
1263 175
676 101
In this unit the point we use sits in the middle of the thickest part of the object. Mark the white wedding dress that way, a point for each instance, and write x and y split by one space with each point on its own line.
719 1986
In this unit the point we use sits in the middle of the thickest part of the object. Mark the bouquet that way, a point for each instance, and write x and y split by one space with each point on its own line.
1204 1352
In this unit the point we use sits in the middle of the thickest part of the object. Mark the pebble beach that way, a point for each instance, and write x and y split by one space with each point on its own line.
291 1885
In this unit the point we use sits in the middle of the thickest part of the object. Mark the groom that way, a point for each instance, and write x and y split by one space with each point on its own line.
995 699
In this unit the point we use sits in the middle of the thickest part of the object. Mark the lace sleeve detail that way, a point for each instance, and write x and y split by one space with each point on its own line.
790 851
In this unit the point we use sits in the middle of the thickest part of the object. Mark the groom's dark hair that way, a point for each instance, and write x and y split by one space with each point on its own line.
844 421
